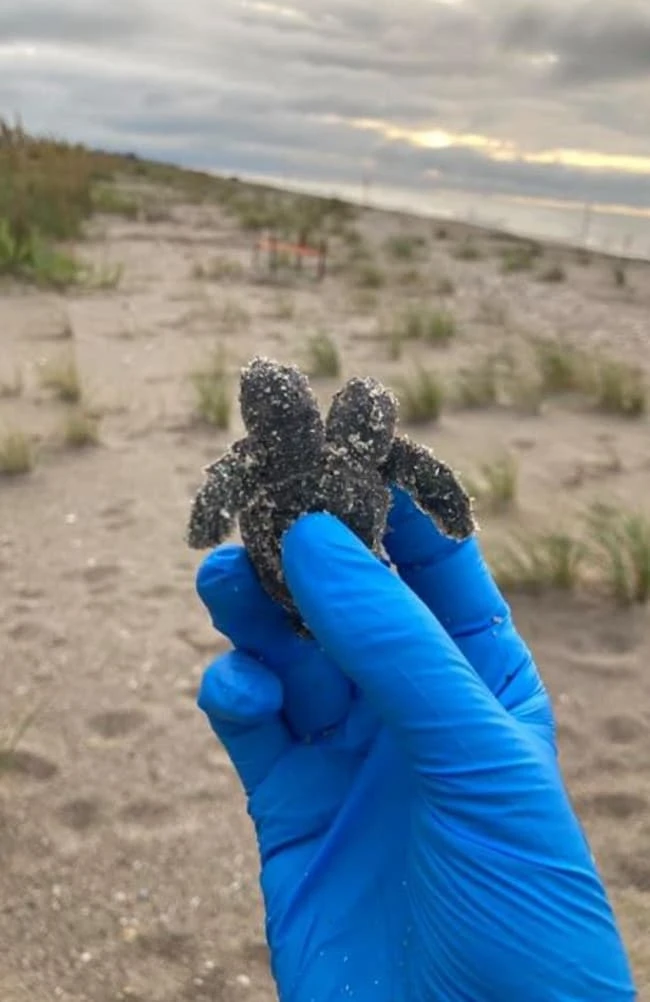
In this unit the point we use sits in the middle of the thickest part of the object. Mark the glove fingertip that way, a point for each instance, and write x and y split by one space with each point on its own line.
237 688
414 537
217 566
314 537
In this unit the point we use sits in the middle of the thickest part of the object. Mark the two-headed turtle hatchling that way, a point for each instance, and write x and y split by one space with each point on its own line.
292 462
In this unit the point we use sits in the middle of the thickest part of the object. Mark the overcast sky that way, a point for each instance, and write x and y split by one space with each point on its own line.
537 97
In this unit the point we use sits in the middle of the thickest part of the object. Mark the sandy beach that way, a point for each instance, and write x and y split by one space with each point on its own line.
128 868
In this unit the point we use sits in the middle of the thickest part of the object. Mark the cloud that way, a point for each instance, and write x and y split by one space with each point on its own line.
292 87
70 23
590 41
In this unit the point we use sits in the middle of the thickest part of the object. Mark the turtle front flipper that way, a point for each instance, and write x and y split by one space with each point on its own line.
217 502
432 485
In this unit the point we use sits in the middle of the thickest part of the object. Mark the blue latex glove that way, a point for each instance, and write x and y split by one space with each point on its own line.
416 839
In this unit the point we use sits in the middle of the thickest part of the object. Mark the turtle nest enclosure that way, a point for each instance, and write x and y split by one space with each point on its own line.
293 462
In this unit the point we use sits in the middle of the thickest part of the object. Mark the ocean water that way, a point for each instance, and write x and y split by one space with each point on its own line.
615 230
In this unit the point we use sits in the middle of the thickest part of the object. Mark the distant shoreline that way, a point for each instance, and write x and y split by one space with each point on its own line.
610 230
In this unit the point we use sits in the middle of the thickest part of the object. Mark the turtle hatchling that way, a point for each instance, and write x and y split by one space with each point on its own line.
293 462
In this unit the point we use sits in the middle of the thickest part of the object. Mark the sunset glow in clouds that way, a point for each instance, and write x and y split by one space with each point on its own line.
534 98
497 149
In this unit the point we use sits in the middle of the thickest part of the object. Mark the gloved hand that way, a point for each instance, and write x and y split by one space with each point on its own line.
416 840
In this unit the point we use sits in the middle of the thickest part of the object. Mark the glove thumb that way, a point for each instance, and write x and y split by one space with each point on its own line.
242 701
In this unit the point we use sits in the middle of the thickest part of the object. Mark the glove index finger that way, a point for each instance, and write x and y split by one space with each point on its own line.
391 645
317 695
453 580
449 575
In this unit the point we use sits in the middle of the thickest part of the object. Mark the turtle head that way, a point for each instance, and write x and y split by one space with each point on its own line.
362 420
278 405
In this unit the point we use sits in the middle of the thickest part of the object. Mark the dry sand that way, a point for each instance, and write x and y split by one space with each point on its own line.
127 867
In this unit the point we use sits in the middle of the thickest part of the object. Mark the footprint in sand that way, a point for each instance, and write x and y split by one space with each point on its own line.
603 665
185 470
146 812
19 608
117 723
619 639
623 729
27 629
118 515
190 690
618 804
167 944
569 735
27 764
30 593
256 954
9 828
80 814
100 577
205 642
157 591
210 985
633 871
